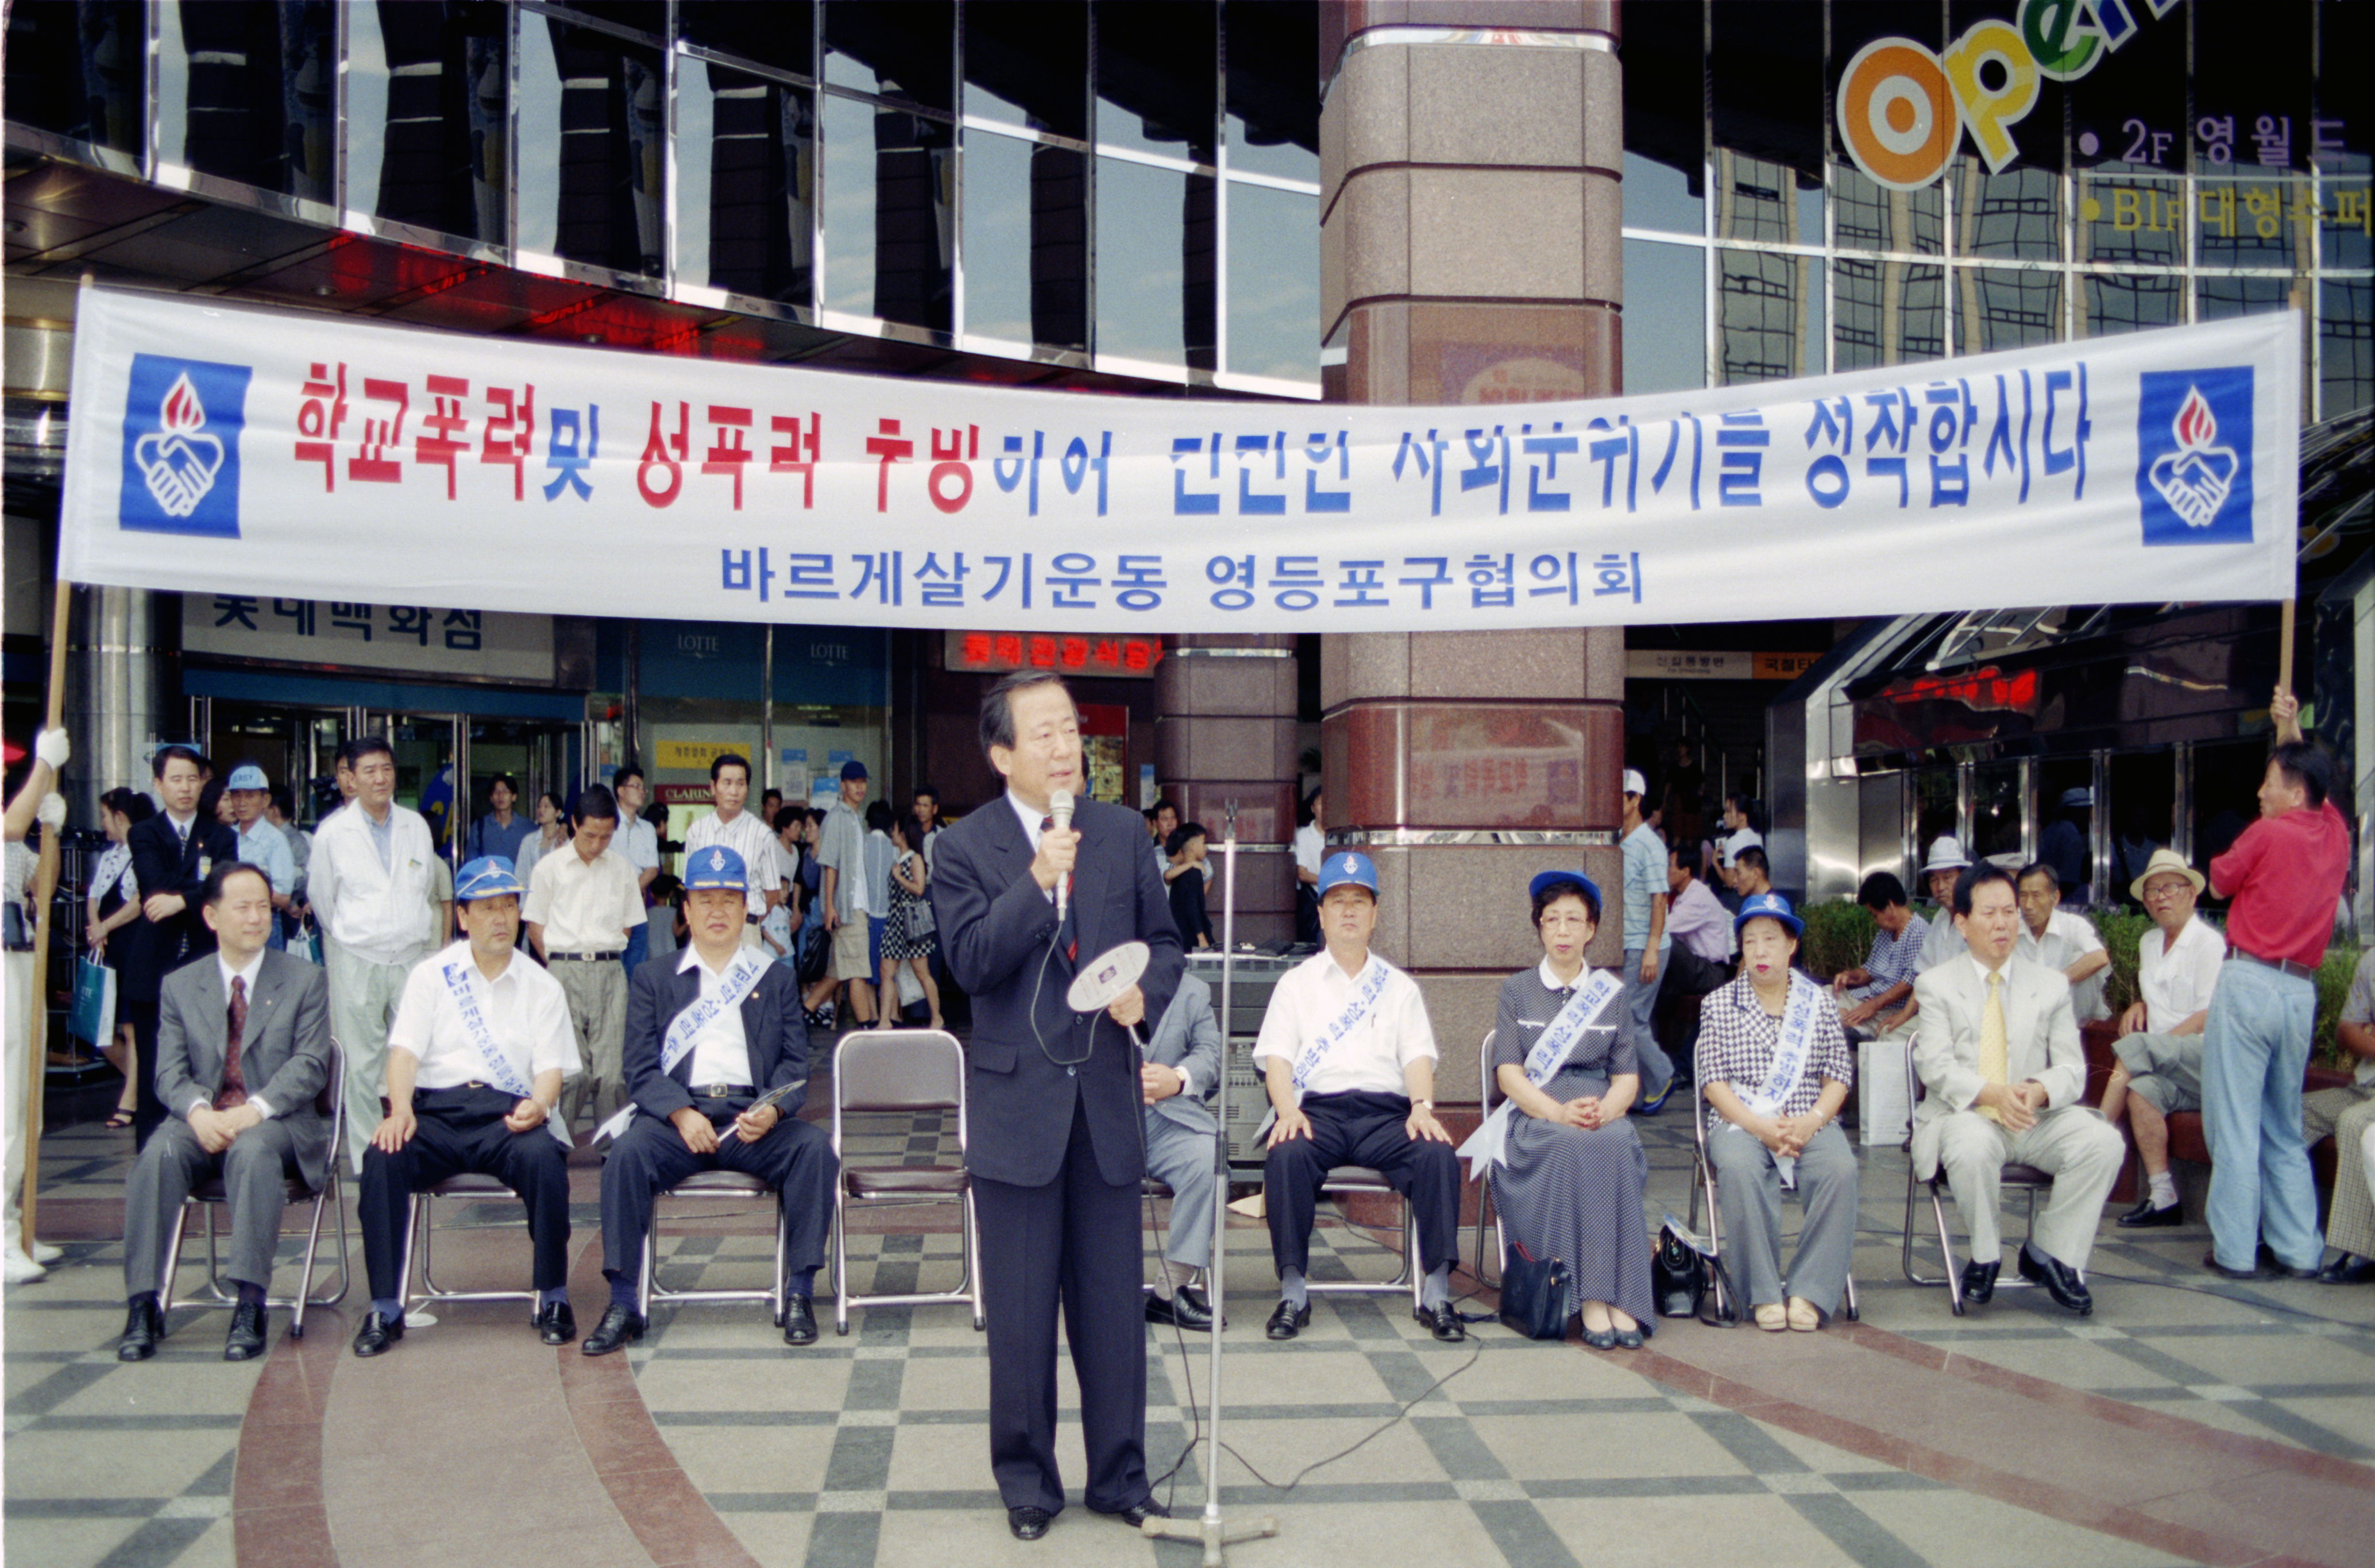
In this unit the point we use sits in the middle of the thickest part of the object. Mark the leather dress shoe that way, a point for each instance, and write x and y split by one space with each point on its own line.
1443 1322
1629 1338
2210 1261
1287 1320
556 1325
143 1326
1138 1514
2061 1281
2145 1214
1599 1338
1979 1283
799 1321
2348 1268
245 1341
1183 1308
1028 1524
378 1333
620 1326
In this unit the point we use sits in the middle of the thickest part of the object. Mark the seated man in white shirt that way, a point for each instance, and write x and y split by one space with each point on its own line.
2064 939
1349 1058
475 1058
2160 1072
1872 998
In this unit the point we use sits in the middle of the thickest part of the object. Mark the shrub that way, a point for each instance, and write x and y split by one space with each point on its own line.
2121 933
1839 936
2332 989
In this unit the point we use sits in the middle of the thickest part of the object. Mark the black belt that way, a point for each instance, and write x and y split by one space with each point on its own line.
750 919
2298 971
611 957
724 1090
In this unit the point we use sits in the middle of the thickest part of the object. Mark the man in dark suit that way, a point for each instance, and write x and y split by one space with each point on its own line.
244 1049
173 853
708 1035
1057 1147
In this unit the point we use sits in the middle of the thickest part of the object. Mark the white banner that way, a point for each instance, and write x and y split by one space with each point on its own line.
322 456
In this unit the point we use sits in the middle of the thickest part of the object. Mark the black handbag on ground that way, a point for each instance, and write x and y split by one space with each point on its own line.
1534 1295
1677 1276
816 953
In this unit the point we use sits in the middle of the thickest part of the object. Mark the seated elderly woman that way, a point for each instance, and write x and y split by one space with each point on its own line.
1565 1165
1774 1066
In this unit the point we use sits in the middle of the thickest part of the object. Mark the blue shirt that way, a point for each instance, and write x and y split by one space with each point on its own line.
490 837
266 849
1645 878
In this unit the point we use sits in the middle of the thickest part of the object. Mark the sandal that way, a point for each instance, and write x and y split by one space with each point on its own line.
119 1121
1804 1315
1773 1318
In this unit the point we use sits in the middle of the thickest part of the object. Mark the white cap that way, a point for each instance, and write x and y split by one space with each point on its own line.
1947 855
1634 783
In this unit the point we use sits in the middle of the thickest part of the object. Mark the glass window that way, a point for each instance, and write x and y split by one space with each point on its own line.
1756 200
2253 69
2007 308
1148 97
1995 811
1936 813
643 15
1872 217
2346 41
1154 264
746 152
2123 303
887 225
1273 98
1026 63
428 127
2347 244
80 69
2143 795
2251 222
904 53
2218 298
2015 214
591 161
248 91
1665 317
1273 283
2127 114
1772 309
1889 312
780 34
1665 127
2131 220
1764 71
2227 778
2346 330
1025 242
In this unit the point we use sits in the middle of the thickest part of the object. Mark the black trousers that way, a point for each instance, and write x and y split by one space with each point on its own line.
1075 1241
796 1158
148 1111
462 1130
1361 1129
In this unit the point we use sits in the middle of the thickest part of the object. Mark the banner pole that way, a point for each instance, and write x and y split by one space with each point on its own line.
2284 650
45 888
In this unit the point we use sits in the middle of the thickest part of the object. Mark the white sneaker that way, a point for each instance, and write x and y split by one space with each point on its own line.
16 1268
45 1254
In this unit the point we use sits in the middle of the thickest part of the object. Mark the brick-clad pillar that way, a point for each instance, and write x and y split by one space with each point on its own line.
1226 733
1471 253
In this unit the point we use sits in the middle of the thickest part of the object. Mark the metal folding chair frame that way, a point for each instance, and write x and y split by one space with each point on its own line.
2024 1178
1492 1097
421 1228
950 1185
731 1184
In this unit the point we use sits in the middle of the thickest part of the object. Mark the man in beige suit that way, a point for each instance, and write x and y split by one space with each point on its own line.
1997 1049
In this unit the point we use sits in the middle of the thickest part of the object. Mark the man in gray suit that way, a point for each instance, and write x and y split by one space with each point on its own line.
1182 1066
1997 1049
242 1049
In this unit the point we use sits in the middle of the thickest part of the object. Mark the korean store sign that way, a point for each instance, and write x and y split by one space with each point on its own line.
414 639
317 457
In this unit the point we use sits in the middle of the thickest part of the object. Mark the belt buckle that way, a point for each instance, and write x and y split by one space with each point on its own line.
717 1090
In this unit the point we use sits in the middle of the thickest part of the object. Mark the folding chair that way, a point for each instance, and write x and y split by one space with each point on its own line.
1705 1185
1492 1098
886 1070
2019 1178
419 1233
209 1195
712 1184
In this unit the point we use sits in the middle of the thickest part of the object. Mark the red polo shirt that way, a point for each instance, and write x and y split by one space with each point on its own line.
2285 875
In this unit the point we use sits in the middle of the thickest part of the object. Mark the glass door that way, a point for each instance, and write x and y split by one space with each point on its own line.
431 753
297 746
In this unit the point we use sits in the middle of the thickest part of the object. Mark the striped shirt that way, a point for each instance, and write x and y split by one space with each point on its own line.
1737 1038
1894 961
748 837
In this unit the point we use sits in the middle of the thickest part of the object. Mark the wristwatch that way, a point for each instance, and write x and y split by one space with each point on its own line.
1426 1105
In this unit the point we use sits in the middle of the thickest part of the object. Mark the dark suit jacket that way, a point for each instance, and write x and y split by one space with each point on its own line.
774 1024
284 1052
997 926
165 865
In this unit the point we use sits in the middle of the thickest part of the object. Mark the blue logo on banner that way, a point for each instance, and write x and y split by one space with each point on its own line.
2193 456
181 420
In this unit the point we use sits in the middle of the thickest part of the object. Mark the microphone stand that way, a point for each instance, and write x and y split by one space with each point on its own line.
1211 1529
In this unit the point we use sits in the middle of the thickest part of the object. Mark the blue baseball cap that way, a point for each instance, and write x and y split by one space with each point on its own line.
488 877
1771 906
853 769
716 868
1544 879
1347 870
247 775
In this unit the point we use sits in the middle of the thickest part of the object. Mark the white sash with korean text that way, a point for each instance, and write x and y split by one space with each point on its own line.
1791 1052
743 973
1371 986
1489 1144
500 1072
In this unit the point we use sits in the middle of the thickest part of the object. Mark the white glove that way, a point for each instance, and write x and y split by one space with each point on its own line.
52 812
52 747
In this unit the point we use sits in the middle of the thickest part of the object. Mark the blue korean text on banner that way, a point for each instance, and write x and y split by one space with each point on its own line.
2194 456
182 423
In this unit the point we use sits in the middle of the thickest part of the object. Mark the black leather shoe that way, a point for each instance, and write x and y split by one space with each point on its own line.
1600 1339
1979 1283
2060 1281
2210 1261
2145 1214
1285 1321
378 1333
245 1341
1028 1524
1181 1307
1629 1340
2348 1268
620 1326
799 1321
556 1325
1443 1322
143 1326
1136 1514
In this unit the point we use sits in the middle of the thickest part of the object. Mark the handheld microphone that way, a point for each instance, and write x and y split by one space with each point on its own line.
1059 809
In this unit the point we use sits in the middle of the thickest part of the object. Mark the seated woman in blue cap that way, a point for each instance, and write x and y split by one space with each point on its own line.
1774 1066
1566 1167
